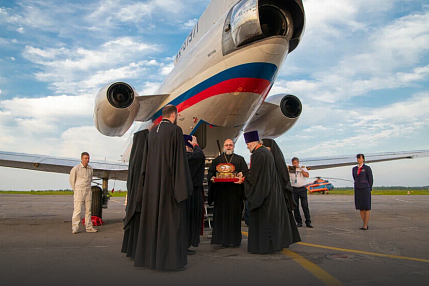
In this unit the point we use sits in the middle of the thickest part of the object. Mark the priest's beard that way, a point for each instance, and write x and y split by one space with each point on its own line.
229 152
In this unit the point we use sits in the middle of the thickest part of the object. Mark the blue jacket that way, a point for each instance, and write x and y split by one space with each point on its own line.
364 180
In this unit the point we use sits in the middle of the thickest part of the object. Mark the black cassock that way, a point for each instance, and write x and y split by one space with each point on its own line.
267 206
228 200
283 173
196 160
134 195
162 241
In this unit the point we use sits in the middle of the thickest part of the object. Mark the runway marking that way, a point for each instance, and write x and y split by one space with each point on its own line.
116 201
365 252
318 272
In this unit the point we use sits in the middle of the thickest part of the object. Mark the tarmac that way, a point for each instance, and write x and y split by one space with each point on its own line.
38 248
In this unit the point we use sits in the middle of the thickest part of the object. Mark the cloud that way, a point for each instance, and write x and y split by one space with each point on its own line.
51 108
115 13
369 128
55 125
414 110
3 41
332 87
133 70
77 69
383 64
51 114
77 139
149 88
190 24
166 69
116 51
52 16
316 128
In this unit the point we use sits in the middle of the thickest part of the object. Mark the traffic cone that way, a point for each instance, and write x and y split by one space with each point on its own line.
408 192
126 199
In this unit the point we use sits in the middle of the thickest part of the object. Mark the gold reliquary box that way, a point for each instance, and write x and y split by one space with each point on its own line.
225 173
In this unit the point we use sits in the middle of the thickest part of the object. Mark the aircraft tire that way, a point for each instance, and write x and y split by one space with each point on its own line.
97 194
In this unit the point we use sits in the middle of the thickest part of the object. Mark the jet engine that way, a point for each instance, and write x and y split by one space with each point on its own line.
115 108
275 116
252 20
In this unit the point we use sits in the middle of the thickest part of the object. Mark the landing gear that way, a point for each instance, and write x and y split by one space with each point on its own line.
106 195
100 197
96 201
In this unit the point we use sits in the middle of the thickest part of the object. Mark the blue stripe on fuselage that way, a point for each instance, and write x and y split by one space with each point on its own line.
266 71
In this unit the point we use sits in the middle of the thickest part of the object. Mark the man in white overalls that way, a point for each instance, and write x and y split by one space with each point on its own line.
80 181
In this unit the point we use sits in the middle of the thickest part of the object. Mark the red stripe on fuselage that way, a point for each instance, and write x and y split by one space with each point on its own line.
253 85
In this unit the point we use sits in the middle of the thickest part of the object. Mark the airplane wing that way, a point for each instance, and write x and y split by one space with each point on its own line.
339 161
119 170
108 170
149 105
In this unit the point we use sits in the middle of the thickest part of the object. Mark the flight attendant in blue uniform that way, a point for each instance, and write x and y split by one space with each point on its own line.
362 175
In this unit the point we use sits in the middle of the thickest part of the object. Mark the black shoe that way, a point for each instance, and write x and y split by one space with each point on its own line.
362 228
309 225
298 224
191 252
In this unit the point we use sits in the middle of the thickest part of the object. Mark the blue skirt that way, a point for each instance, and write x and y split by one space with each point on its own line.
363 199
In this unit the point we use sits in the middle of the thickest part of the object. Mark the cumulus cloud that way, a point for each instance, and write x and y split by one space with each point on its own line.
114 13
131 71
190 24
47 15
76 70
49 114
149 88
166 69
333 87
51 124
101 147
384 63
51 108
368 128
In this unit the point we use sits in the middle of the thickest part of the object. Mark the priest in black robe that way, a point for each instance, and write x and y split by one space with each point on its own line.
267 206
227 198
163 234
283 173
196 161
134 194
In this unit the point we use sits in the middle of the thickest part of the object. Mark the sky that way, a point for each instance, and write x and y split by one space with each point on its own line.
361 72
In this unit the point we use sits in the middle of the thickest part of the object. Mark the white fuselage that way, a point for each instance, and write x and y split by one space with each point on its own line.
221 91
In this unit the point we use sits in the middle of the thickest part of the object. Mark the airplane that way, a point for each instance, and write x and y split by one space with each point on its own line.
222 75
